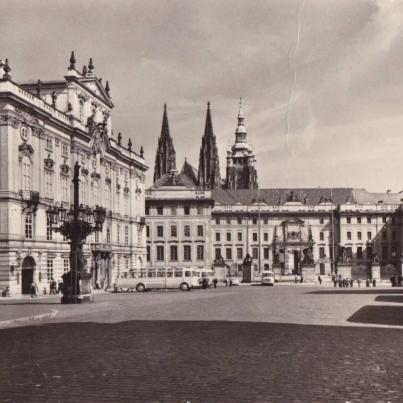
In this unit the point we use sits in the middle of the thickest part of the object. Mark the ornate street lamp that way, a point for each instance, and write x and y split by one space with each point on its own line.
76 224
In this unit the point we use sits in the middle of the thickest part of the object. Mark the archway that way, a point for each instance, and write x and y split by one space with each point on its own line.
28 266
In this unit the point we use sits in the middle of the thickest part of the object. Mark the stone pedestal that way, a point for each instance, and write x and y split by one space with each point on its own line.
344 270
308 272
76 288
247 272
376 272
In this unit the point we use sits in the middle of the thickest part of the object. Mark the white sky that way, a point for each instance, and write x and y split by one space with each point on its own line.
326 110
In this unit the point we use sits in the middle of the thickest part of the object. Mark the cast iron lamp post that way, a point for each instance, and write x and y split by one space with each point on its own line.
76 224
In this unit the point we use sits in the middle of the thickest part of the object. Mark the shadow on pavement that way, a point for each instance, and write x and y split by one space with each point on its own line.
357 291
390 298
379 315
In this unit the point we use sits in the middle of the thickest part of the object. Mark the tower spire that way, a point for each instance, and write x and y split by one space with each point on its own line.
209 167
241 125
165 158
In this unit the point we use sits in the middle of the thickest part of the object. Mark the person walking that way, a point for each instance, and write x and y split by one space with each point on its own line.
374 282
215 283
33 290
320 280
351 283
358 282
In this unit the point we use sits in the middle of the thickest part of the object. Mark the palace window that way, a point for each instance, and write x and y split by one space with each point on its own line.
126 235
48 184
148 231
217 253
174 231
217 237
148 253
65 188
65 150
228 220
187 210
160 210
239 253
321 236
49 269
368 220
187 253
265 253
147 210
28 226
200 230
96 236
217 221
26 174
81 110
173 210
160 253
265 221
322 252
321 221
266 237
66 265
369 235
348 235
358 220
384 219
199 210
174 253
186 230
359 236
254 221
200 252
348 219
255 253
49 143
254 237
49 231
228 236
239 236
160 231
228 253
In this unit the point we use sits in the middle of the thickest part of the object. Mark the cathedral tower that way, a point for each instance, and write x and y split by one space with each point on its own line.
209 166
241 171
165 158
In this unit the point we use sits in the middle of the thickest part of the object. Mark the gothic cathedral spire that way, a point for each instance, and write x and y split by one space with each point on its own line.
209 166
165 158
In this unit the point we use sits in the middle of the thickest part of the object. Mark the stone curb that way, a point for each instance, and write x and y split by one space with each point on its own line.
32 318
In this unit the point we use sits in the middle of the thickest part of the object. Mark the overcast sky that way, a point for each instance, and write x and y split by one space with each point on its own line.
321 81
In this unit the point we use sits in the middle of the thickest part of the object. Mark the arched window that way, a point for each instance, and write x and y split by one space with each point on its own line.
65 188
26 174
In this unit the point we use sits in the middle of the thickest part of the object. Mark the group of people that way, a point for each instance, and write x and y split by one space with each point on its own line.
396 281
54 288
349 282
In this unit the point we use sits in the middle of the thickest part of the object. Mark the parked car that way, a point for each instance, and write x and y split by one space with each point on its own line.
268 277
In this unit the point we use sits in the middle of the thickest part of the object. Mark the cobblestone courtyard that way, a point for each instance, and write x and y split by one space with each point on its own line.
281 344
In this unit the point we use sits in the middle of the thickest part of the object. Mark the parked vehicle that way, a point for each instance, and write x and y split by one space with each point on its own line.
184 279
268 277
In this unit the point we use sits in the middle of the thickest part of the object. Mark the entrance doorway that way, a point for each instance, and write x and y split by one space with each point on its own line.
28 266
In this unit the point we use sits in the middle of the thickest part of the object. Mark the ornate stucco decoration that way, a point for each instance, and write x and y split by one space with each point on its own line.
49 162
65 169
108 180
25 149
6 119
95 175
84 171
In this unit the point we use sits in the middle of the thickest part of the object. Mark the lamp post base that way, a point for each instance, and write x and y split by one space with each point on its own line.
77 299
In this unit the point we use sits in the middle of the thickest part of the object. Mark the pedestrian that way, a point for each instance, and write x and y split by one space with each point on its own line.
33 290
215 283
393 281
230 282
367 283
44 291
351 283
334 282
320 280
302 279
204 283
226 282
399 281
358 282
374 282
60 288
295 280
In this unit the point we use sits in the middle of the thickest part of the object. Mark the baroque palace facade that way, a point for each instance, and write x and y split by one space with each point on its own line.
196 219
45 127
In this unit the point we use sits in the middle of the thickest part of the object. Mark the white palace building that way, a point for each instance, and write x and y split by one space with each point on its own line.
45 127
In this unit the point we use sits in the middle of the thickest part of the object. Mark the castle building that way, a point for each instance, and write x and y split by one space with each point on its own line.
241 170
306 232
209 167
45 128
165 157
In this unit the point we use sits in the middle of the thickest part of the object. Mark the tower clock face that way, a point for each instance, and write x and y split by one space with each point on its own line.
24 133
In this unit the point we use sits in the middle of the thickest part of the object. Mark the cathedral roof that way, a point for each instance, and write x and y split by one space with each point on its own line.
176 179
190 171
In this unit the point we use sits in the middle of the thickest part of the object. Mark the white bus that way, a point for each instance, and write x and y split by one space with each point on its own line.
151 279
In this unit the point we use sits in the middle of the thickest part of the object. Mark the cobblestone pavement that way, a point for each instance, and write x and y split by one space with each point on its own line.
228 346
